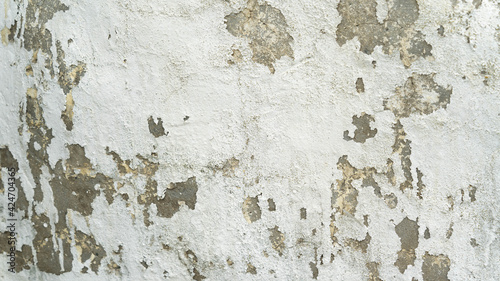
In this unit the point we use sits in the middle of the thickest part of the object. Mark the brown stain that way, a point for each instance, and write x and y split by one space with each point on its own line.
89 249
407 230
251 269
266 28
277 239
396 33
251 209
435 267
359 245
237 57
68 78
420 94
373 273
156 129
363 130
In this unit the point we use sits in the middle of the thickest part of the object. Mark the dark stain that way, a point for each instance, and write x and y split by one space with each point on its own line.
420 184
473 242
449 232
190 255
271 205
363 130
435 267
197 275
427 233
397 32
365 220
314 270
251 269
303 213
266 28
472 193
360 86
24 258
277 239
359 245
407 230
440 30
390 172
7 161
90 250
251 209
156 129
419 95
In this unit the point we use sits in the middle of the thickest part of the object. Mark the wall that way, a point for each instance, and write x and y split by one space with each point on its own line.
235 140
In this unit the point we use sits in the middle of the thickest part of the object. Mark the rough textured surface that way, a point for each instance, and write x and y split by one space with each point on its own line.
250 140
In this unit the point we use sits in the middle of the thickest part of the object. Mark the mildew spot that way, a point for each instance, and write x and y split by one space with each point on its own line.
156 129
419 95
396 32
266 28
251 209
407 230
277 239
363 130
435 267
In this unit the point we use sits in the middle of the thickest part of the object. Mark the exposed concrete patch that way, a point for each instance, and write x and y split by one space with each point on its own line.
427 233
363 130
396 32
314 270
419 95
373 274
420 184
24 258
472 193
156 129
266 28
359 245
8 161
407 230
277 239
303 213
89 249
251 209
402 147
435 267
271 205
391 200
360 86
251 269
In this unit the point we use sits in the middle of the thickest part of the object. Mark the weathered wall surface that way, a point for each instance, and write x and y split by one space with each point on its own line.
250 140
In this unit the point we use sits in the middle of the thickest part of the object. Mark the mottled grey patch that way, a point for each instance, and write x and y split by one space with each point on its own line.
390 172
251 209
277 239
266 28
69 77
402 147
373 274
24 257
363 130
407 230
251 269
271 205
314 270
427 233
397 32
7 161
359 245
177 194
419 95
440 30
449 232
420 184
391 200
472 193
365 220
473 242
156 129
360 86
435 267
303 213
90 249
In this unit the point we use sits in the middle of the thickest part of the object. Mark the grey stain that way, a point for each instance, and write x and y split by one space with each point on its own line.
277 239
396 33
435 267
407 230
363 130
156 128
360 86
266 28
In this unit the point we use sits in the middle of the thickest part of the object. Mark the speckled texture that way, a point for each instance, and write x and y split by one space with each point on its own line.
251 140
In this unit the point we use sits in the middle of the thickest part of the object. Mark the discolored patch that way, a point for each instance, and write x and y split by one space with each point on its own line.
419 95
314 270
7 161
359 245
271 205
251 269
89 249
277 239
407 230
472 193
427 233
303 213
391 200
237 57
363 130
435 267
373 274
23 258
402 147
420 184
266 28
197 275
156 129
251 209
69 77
396 33
177 194
360 86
